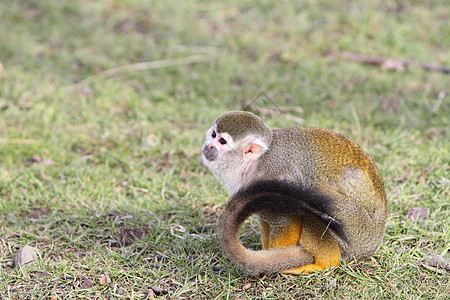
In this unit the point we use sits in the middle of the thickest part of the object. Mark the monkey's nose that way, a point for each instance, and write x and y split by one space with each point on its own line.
210 153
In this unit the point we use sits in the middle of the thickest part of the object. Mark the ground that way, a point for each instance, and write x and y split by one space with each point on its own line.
104 106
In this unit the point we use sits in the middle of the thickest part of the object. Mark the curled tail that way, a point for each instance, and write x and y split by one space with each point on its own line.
277 198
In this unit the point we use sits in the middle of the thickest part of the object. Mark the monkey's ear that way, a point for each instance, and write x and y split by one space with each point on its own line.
255 149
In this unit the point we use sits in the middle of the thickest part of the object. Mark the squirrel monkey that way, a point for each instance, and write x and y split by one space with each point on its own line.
319 197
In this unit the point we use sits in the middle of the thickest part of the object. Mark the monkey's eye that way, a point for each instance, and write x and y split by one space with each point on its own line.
214 135
222 141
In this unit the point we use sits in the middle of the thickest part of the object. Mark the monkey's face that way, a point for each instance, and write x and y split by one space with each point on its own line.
224 157
233 160
215 146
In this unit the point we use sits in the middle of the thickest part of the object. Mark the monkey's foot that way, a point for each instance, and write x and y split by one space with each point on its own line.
308 269
327 258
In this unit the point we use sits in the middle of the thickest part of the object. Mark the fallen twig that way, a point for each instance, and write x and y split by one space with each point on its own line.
278 112
17 141
148 65
391 63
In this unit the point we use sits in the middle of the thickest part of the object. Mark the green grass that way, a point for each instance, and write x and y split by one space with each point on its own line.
83 161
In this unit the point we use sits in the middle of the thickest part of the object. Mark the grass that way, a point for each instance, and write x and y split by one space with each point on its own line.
85 164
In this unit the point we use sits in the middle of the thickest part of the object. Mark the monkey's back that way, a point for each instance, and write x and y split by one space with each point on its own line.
336 166
321 155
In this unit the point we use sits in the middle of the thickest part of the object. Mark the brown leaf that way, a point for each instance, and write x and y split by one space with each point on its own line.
405 176
435 260
247 286
25 256
45 161
217 268
159 291
152 140
42 274
113 215
127 236
391 105
44 176
417 213
37 213
48 162
104 279
200 229
86 283
422 180
36 158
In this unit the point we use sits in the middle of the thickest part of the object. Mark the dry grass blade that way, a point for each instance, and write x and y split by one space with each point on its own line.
391 63
17 141
277 113
148 65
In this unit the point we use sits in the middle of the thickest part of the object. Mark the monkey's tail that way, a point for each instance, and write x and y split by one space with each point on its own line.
275 197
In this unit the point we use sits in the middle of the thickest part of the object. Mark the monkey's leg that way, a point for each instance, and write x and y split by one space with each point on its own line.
322 246
265 233
282 234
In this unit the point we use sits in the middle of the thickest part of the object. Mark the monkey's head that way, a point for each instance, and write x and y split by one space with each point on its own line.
233 145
